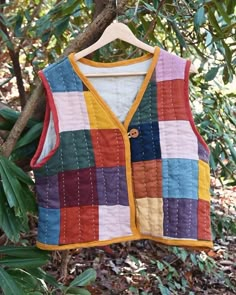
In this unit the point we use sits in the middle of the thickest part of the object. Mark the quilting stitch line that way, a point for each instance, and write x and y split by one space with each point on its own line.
78 185
91 181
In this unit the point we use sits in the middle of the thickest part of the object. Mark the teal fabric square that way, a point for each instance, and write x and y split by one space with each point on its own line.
49 226
147 109
180 178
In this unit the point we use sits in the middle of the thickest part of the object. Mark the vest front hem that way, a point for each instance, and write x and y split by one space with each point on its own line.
49 247
194 245
186 243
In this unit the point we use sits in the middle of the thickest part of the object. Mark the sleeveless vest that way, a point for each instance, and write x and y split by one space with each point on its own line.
126 167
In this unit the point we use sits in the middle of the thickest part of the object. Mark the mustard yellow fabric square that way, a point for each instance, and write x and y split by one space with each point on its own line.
99 117
150 216
204 181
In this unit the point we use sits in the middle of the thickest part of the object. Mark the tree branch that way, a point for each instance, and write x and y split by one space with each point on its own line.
93 31
14 55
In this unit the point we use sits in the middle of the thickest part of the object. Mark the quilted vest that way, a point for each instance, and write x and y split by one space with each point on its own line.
120 158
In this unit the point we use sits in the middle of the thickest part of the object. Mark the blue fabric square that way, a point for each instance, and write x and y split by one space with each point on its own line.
146 146
49 226
180 178
62 77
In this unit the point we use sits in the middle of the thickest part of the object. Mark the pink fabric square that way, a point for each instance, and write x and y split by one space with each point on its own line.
114 222
170 67
71 110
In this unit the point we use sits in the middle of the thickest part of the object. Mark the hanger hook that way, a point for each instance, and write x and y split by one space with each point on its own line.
116 5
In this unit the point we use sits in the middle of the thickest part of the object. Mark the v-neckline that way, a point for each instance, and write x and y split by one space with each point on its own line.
97 95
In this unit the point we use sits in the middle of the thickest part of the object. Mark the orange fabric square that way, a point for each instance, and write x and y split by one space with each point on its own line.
79 224
147 179
108 147
204 221
171 100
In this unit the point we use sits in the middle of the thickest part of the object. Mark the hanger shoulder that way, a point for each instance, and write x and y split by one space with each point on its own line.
112 32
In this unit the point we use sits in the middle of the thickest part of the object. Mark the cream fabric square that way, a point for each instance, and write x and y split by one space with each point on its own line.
114 222
150 216
71 110
178 140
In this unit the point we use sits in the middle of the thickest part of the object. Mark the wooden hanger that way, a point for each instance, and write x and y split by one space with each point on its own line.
115 31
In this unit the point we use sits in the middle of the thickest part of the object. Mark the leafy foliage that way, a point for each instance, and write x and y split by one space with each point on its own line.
21 273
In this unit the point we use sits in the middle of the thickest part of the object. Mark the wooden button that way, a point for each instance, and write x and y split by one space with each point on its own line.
134 133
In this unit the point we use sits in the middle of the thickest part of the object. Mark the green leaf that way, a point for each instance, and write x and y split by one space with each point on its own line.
178 34
199 18
164 290
8 285
61 26
193 258
7 186
18 195
231 147
210 75
49 279
226 74
183 255
12 116
160 265
23 252
208 39
17 172
23 262
84 279
214 22
222 11
149 7
33 133
230 6
18 24
6 40
10 224
26 281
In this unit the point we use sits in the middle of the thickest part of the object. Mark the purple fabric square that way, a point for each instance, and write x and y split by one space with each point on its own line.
47 191
203 153
180 218
112 186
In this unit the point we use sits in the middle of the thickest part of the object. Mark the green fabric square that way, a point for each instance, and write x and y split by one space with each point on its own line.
147 110
75 152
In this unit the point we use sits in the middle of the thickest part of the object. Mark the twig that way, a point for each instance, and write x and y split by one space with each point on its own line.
65 258
96 28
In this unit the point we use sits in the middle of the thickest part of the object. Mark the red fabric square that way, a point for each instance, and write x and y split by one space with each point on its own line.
79 224
108 147
78 187
204 221
171 100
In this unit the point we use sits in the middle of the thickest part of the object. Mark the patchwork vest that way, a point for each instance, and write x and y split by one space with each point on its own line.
119 157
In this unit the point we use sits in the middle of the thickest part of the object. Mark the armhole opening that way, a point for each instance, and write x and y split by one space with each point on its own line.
188 107
50 139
